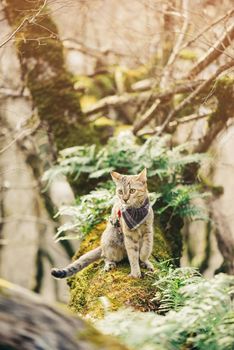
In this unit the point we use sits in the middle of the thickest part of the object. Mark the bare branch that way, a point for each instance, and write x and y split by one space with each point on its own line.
7 92
74 44
213 53
128 98
207 28
19 136
195 93
14 32
176 49
147 116
188 119
176 122
110 101
181 36
24 22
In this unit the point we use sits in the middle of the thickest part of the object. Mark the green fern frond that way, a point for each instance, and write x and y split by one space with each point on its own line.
91 209
203 321
124 153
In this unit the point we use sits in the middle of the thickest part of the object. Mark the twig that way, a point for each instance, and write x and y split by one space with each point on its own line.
74 44
188 118
213 53
148 115
176 122
191 97
181 36
19 136
14 32
25 21
22 134
177 46
109 101
207 28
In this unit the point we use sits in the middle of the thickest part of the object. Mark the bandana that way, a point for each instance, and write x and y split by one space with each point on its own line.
134 217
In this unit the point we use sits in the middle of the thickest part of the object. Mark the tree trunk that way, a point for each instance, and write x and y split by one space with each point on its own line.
43 68
57 105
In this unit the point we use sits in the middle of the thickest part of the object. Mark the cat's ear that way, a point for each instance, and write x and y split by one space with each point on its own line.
115 176
142 176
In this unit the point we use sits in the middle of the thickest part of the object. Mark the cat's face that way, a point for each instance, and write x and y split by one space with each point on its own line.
131 189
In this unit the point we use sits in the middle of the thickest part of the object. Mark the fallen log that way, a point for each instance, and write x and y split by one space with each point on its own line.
28 323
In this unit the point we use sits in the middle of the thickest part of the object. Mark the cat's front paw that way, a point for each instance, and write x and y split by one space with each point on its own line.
135 274
109 265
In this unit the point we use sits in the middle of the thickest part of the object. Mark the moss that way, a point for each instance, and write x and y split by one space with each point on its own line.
188 55
209 186
88 286
224 92
132 76
120 289
98 86
222 102
162 249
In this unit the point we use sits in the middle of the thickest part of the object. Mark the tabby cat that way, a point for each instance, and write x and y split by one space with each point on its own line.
129 231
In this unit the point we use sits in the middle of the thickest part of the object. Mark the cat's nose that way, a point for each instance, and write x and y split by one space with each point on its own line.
125 200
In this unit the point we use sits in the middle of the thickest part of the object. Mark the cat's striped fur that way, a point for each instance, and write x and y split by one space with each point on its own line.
118 240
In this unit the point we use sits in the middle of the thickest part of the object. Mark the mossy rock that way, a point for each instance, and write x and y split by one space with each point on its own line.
90 285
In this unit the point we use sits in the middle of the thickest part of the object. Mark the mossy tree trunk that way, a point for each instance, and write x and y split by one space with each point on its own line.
55 101
43 69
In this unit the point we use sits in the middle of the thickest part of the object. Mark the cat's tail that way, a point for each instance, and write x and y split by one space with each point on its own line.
78 265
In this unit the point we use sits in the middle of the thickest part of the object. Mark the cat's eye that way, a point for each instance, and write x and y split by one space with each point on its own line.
120 192
132 190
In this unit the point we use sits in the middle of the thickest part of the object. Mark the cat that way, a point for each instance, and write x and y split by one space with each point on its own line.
129 231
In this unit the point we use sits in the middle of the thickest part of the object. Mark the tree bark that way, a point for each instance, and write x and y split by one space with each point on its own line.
224 239
43 68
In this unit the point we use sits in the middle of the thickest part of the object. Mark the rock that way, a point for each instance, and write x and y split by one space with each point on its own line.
88 287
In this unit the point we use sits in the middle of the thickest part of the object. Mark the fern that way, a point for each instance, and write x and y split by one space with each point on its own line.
124 152
179 197
91 209
205 321
169 286
165 171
